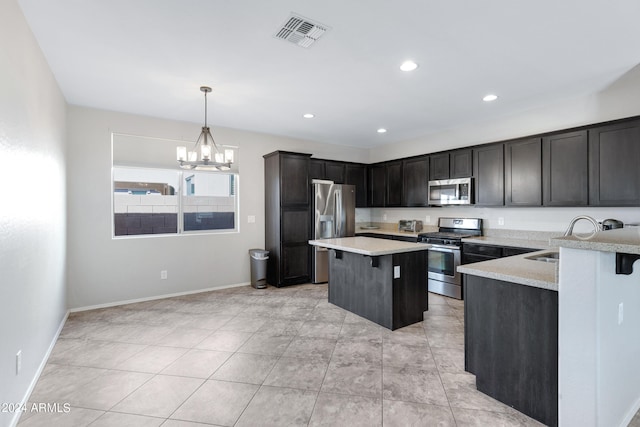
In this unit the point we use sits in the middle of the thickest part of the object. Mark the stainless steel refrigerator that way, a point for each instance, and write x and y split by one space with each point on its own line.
334 210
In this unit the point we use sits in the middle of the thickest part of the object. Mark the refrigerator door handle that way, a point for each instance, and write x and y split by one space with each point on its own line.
338 213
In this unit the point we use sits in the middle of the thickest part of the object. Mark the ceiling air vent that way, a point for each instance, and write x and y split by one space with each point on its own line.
301 31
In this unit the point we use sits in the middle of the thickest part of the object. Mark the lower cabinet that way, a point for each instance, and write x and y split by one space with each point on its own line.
511 344
389 290
473 252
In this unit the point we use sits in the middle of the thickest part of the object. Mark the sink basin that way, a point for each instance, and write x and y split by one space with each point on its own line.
546 257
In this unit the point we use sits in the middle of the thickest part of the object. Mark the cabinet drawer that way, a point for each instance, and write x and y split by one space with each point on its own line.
490 251
516 251
470 258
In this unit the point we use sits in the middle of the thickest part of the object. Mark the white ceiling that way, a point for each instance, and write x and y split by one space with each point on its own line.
151 56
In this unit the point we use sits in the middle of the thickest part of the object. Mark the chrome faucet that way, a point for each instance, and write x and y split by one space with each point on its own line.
596 224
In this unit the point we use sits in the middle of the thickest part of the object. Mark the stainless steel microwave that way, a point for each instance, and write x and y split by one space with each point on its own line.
457 191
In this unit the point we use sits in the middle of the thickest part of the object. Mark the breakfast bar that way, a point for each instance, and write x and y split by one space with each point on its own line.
384 281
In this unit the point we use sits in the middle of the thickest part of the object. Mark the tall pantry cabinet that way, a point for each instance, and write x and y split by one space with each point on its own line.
287 217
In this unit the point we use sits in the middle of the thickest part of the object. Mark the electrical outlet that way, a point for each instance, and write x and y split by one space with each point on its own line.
427 219
396 271
384 217
500 221
18 362
163 274
251 219
620 314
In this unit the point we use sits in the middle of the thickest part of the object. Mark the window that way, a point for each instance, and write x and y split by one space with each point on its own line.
151 195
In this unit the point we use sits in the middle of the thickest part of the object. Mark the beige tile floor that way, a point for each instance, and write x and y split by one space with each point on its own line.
274 357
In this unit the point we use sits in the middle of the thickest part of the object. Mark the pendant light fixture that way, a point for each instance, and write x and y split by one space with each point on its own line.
211 157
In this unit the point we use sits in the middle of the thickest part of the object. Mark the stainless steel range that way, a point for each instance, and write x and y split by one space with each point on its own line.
444 254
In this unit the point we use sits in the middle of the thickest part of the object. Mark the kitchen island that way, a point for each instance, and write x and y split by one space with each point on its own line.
384 281
511 331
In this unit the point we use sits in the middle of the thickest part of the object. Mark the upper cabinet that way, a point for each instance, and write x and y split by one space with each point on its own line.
377 185
316 169
439 166
488 163
335 171
327 169
385 184
523 172
461 163
394 184
614 159
356 174
565 169
415 173
294 179
595 165
342 173
451 164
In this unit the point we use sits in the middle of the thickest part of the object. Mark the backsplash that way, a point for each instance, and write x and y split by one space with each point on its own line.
552 220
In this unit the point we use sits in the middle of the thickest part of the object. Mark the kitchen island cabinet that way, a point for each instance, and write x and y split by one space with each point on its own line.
381 280
511 344
511 332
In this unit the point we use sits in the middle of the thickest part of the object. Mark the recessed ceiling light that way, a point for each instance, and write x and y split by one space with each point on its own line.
490 97
382 130
408 66
308 116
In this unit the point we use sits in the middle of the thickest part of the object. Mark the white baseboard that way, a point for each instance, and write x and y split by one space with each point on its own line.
177 294
635 408
36 377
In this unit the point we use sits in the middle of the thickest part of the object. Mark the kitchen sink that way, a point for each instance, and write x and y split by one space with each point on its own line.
545 257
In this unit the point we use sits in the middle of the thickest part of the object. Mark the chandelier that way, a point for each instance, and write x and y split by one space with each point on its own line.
211 156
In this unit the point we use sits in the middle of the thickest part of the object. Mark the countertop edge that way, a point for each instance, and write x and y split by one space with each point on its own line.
509 270
395 246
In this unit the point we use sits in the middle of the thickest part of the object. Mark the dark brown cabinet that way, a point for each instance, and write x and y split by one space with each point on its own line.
317 169
614 156
377 185
394 184
488 164
511 344
356 174
565 169
415 176
334 171
451 164
439 166
461 163
287 217
473 252
523 172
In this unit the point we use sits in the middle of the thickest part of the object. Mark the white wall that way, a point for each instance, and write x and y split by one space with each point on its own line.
32 211
598 374
102 270
618 100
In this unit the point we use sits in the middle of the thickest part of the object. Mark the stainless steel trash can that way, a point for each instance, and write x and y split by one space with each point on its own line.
258 259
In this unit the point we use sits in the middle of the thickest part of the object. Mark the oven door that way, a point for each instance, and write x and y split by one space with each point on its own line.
443 262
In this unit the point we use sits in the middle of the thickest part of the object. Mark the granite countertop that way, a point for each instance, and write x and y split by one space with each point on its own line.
370 246
517 269
388 232
622 240
508 241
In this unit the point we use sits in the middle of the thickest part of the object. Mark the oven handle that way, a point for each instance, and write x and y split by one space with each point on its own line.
439 248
